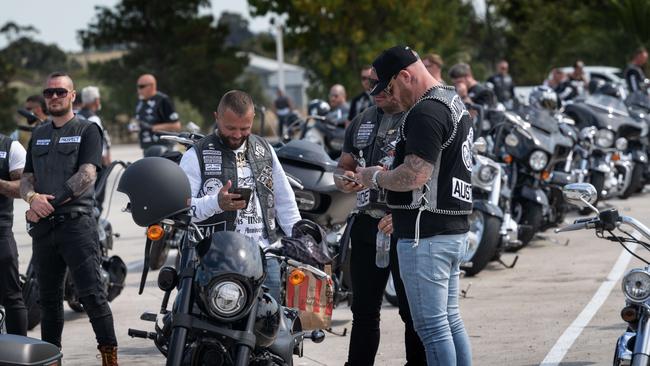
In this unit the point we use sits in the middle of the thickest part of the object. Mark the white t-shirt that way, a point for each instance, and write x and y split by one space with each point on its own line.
17 156
250 220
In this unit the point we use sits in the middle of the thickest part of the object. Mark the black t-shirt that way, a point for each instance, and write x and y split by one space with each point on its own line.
90 149
157 109
428 126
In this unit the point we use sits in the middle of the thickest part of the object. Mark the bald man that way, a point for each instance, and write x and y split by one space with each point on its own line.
155 112
338 103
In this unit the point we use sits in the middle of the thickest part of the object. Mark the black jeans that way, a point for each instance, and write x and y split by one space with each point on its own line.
74 244
11 296
368 284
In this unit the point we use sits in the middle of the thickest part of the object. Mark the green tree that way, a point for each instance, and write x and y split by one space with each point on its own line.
334 38
7 96
173 40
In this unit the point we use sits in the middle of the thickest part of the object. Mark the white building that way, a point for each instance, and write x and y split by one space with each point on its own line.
295 80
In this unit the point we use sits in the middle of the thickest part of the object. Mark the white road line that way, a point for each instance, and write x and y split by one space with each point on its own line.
564 343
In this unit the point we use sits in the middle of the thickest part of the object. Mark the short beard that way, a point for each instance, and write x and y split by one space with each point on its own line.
61 112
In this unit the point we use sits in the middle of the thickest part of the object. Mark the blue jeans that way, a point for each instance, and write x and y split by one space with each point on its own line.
430 272
273 280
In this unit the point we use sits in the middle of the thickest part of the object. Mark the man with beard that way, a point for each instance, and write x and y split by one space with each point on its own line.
58 184
370 141
232 158
430 197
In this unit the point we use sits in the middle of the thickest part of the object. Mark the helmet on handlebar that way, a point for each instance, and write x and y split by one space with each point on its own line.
544 97
157 189
318 107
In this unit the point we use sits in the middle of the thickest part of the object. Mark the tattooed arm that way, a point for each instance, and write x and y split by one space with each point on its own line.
410 175
11 188
26 185
76 185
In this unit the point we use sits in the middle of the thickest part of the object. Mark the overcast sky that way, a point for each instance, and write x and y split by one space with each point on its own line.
59 20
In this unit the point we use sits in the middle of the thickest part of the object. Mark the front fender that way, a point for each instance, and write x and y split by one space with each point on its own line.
488 208
536 195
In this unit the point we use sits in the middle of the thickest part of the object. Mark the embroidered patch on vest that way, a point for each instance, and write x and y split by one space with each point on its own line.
461 190
211 187
43 142
3 154
467 149
70 140
364 133
259 150
266 177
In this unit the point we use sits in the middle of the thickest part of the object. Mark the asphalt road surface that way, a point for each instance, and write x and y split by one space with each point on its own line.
559 305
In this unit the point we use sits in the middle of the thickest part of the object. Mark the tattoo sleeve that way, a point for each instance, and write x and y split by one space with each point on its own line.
11 188
412 174
82 179
26 184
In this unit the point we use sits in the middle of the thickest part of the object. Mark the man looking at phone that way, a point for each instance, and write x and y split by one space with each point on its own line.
238 183
369 141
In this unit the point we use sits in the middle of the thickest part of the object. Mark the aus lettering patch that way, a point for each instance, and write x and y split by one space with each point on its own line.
3 154
43 142
70 140
461 190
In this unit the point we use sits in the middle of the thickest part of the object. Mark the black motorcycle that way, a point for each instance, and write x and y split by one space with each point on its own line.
221 314
25 351
113 270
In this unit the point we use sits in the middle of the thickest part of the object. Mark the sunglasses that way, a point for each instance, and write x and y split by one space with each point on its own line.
142 86
58 92
389 87
365 78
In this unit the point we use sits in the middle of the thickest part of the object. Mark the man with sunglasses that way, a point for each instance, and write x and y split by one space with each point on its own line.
363 100
370 141
155 112
430 197
58 184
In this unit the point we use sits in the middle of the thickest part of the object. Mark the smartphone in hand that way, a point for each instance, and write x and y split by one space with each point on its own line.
346 178
245 194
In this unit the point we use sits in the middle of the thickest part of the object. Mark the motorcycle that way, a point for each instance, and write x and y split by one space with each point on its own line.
18 350
112 269
221 314
633 347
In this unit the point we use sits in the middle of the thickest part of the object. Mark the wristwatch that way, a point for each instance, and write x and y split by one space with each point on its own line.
29 197
374 180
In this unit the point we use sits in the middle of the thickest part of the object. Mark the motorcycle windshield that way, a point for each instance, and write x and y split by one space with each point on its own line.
230 252
607 104
306 152
541 118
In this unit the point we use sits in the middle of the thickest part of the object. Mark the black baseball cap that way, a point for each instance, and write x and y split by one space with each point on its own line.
389 63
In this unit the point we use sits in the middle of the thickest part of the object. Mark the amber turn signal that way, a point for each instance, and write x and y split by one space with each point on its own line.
546 175
507 159
629 314
296 277
616 156
155 232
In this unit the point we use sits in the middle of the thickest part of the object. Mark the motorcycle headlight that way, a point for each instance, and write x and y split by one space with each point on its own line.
636 285
512 140
621 143
486 174
227 298
604 138
538 160
306 200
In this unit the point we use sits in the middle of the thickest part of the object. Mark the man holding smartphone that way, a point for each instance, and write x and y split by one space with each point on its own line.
369 141
238 183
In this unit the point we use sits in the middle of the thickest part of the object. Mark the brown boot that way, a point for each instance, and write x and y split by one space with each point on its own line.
108 354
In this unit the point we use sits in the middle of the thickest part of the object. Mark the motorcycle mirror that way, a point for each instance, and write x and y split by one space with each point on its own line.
582 195
480 145
31 117
193 127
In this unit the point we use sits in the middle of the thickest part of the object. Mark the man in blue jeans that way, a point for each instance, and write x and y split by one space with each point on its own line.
430 195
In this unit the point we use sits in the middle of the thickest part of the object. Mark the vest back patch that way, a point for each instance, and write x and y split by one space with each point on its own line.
461 190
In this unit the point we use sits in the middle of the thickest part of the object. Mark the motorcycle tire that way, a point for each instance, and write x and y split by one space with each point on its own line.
598 181
636 182
389 293
158 254
32 301
487 241
531 216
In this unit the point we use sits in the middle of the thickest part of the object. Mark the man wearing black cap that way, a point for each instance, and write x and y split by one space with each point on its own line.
430 197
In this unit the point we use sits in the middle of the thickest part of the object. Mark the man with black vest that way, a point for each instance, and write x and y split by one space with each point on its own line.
370 141
430 197
634 75
155 112
12 162
58 184
232 158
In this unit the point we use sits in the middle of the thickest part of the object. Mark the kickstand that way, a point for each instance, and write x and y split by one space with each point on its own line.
511 265
553 240
464 292
341 334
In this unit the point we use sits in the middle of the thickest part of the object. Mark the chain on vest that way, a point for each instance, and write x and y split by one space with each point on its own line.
374 138
6 203
218 164
55 158
448 190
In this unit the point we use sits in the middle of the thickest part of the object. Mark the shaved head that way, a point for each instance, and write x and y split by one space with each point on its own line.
65 79
147 86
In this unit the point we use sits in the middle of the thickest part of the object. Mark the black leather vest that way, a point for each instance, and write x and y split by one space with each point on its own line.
374 135
218 164
55 155
6 203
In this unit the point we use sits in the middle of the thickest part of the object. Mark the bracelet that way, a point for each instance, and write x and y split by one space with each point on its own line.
30 197
374 179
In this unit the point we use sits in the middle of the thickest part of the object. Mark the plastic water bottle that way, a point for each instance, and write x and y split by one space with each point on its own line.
382 249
